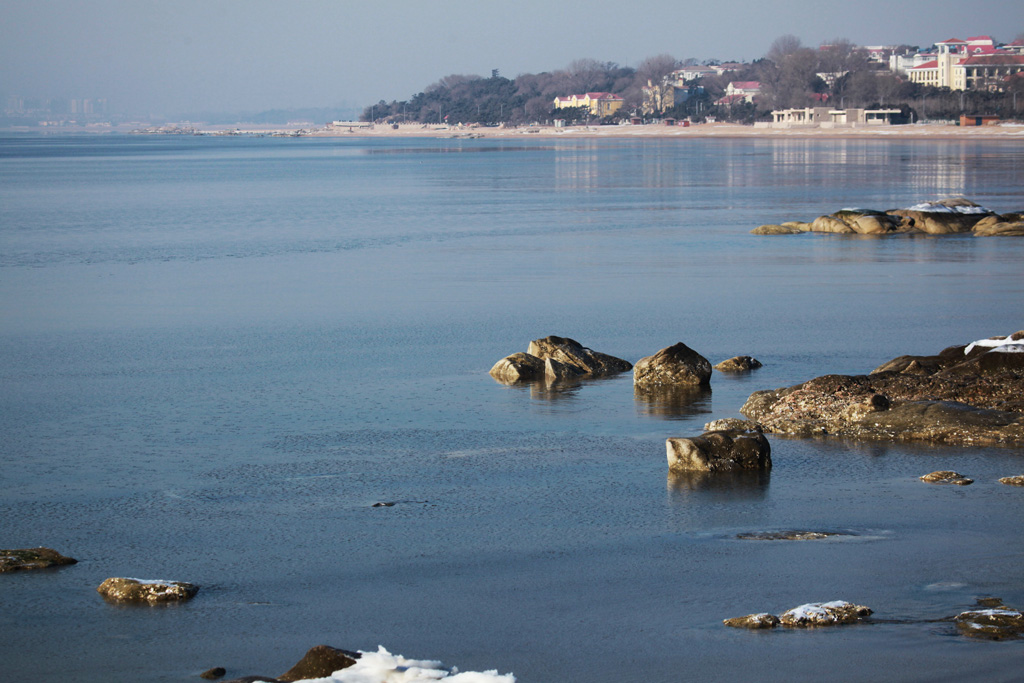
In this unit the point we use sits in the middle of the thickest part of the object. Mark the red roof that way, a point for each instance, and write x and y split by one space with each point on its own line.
993 60
601 96
988 38
952 41
934 64
746 85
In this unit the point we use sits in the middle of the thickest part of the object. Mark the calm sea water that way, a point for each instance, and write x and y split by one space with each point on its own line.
216 354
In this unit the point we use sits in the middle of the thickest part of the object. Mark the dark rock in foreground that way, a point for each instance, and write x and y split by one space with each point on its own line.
32 558
947 477
675 365
214 673
145 591
725 451
760 620
320 662
965 395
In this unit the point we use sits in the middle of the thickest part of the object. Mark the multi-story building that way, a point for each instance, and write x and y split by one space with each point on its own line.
600 104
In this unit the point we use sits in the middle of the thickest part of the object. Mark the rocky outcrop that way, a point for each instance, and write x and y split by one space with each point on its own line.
996 622
967 395
32 558
726 451
146 591
943 217
738 364
675 365
805 616
214 673
1013 481
824 614
556 359
320 662
947 477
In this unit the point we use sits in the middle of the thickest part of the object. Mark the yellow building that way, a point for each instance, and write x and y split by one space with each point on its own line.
600 104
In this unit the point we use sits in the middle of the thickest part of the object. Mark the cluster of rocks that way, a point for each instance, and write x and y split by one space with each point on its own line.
319 662
944 217
811 615
993 621
951 477
557 359
965 395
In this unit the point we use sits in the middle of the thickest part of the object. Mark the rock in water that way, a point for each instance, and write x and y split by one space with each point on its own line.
214 673
146 591
738 364
999 623
519 367
726 451
1017 480
571 352
320 662
676 364
947 477
32 558
824 614
753 621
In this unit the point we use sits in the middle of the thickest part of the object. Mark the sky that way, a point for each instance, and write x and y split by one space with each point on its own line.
157 57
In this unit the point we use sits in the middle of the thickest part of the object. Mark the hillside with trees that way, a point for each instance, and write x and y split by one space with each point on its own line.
836 74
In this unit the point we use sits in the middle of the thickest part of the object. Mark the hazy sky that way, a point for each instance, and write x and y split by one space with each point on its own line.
155 56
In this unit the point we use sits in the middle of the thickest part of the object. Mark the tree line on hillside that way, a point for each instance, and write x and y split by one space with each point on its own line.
788 74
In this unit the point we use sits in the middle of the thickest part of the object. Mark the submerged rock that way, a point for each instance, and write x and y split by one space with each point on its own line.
947 477
773 229
969 395
675 365
725 451
1017 480
320 661
995 623
824 614
32 558
146 591
214 673
761 620
738 364
787 535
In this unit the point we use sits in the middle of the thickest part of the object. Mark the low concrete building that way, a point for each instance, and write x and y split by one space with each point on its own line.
825 117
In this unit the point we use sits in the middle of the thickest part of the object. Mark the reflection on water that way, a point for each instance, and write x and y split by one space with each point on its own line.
671 402
743 485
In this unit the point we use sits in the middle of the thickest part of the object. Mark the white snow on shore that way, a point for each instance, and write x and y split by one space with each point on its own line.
383 667
1005 345
934 207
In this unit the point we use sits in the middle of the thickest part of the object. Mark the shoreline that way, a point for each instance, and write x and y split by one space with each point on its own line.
926 131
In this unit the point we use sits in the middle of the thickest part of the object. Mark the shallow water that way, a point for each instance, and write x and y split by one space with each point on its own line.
216 354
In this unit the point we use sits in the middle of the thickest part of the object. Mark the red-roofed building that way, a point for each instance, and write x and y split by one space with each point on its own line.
990 72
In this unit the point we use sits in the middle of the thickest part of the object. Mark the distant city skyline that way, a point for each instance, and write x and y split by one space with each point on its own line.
167 58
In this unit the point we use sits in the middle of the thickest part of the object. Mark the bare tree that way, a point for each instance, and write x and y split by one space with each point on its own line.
782 47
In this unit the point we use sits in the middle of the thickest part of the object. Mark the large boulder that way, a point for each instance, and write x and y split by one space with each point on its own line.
725 451
946 477
675 365
830 224
999 227
32 558
146 591
320 662
970 394
761 620
571 352
995 623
